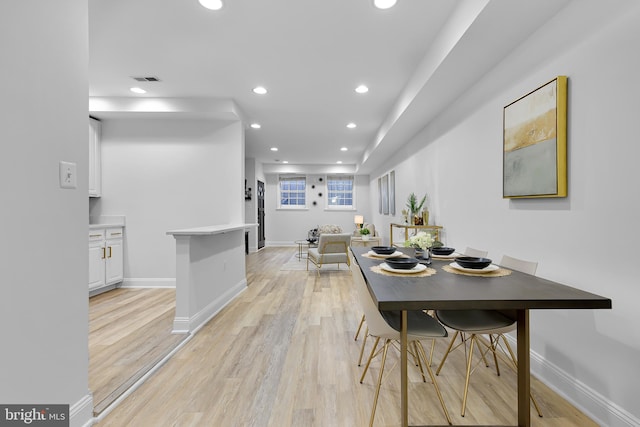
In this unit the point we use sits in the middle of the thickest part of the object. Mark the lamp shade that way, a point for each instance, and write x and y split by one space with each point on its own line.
358 219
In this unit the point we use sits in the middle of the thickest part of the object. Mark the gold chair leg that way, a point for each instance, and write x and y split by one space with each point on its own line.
359 327
364 341
433 347
435 384
482 354
375 397
446 353
494 347
373 351
419 364
466 380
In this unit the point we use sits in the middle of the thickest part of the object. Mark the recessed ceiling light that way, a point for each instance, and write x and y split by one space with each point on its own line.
285 161
255 125
211 4
384 4
351 125
344 149
362 89
274 148
260 90
137 90
339 162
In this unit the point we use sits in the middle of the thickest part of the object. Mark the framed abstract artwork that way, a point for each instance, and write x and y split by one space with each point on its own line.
535 143
379 195
385 194
392 193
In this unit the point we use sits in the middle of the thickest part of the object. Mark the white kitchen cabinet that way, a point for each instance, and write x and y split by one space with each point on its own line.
95 158
97 263
114 268
106 257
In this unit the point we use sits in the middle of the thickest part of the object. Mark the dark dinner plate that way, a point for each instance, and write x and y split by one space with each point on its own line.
401 263
383 250
473 262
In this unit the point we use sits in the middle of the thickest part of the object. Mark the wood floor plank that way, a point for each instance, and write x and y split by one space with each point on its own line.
129 332
283 354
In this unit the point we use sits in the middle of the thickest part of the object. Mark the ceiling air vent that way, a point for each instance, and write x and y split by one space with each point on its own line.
146 79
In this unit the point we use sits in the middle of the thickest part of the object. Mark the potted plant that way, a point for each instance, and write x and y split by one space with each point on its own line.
414 207
364 232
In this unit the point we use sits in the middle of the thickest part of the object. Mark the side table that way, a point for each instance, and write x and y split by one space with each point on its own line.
433 229
301 244
373 241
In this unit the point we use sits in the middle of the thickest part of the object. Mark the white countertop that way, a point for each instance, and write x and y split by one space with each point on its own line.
105 225
210 230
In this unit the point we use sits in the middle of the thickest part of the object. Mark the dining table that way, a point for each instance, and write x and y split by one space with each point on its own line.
446 289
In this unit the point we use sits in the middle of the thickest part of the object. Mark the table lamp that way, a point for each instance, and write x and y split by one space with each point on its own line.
358 220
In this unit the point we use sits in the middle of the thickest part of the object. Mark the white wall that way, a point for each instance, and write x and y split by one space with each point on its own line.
283 226
164 175
44 258
587 240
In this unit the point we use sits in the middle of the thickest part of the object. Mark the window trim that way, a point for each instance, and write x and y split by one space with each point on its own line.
334 177
292 177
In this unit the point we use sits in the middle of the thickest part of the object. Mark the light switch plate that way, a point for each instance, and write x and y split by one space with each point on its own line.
68 175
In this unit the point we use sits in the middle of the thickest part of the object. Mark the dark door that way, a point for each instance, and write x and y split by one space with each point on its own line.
261 237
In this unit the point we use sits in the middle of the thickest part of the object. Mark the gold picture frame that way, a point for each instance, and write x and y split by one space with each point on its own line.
535 143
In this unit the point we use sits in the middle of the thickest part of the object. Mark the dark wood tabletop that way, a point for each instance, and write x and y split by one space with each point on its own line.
445 290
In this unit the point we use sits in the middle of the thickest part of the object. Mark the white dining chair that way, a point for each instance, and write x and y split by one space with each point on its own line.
472 324
420 327
478 253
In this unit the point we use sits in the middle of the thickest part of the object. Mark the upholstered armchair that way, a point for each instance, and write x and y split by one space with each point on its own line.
332 249
356 237
370 227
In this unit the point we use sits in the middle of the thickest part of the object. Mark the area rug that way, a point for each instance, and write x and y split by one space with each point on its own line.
295 264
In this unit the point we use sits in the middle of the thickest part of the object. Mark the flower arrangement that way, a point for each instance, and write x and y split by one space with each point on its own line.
422 240
364 231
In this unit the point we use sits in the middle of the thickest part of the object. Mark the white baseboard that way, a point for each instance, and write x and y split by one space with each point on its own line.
184 325
285 243
81 412
161 282
593 404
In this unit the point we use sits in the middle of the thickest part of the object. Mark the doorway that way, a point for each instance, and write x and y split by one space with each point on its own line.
261 234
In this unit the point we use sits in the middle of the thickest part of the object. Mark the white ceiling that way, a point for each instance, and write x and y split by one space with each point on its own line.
416 58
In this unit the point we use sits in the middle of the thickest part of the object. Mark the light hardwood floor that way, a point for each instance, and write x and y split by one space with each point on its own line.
283 354
129 332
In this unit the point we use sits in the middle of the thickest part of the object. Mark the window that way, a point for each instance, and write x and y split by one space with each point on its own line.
340 192
292 192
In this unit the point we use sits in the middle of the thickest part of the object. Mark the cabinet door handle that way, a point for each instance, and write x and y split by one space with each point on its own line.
109 251
95 235
116 234
104 252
